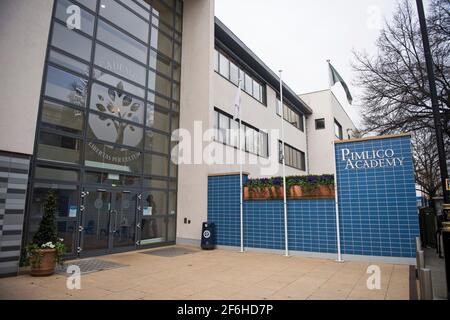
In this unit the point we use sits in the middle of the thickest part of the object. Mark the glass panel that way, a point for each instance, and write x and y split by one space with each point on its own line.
249 139
62 118
53 147
171 229
157 118
155 202
159 84
178 23
118 83
157 99
234 73
175 121
124 19
234 133
216 60
87 19
172 203
66 212
179 5
177 52
96 220
67 62
224 65
248 84
91 4
161 42
66 87
173 184
115 103
144 3
173 167
114 131
163 12
112 179
105 156
136 8
118 64
155 183
123 219
124 43
72 42
177 72
224 125
153 230
256 90
156 165
160 63
56 174
176 92
156 142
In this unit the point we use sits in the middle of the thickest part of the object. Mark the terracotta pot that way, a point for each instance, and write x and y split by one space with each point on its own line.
296 192
46 267
326 191
246 193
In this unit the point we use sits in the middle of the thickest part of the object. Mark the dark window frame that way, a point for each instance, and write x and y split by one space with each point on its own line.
245 125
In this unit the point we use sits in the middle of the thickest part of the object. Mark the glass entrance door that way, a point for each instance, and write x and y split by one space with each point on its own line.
109 220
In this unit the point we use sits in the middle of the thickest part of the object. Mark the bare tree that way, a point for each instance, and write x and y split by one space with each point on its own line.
396 96
426 163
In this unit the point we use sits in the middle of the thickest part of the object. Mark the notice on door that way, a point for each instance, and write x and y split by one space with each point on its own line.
147 211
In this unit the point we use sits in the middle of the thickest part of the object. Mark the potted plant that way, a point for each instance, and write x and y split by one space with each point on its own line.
46 249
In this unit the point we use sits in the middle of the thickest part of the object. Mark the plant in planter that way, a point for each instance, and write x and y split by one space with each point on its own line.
46 249
298 187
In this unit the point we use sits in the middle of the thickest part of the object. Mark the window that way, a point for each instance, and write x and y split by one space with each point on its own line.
320 124
224 65
57 148
161 42
338 130
117 39
216 61
66 87
118 64
58 117
227 132
293 157
232 71
125 19
71 42
292 116
248 81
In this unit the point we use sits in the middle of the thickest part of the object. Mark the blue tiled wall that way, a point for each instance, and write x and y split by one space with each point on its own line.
378 212
311 223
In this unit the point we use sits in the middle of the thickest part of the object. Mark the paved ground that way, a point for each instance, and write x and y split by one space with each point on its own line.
218 274
437 266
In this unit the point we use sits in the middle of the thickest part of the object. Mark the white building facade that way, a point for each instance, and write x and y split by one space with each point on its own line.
172 65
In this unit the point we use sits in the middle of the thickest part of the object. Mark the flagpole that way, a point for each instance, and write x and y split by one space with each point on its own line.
241 200
284 168
329 74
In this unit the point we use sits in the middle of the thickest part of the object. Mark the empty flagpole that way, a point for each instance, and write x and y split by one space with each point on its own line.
284 168
237 113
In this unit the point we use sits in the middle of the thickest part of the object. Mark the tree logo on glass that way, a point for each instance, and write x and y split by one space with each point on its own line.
115 107
120 105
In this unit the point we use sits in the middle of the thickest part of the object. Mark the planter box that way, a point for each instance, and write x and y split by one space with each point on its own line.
294 193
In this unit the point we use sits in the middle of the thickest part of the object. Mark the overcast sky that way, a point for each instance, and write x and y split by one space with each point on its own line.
298 36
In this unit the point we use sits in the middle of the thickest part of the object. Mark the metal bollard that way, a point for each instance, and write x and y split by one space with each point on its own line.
418 244
420 260
426 285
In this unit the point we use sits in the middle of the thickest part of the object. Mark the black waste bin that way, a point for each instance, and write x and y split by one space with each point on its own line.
208 236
